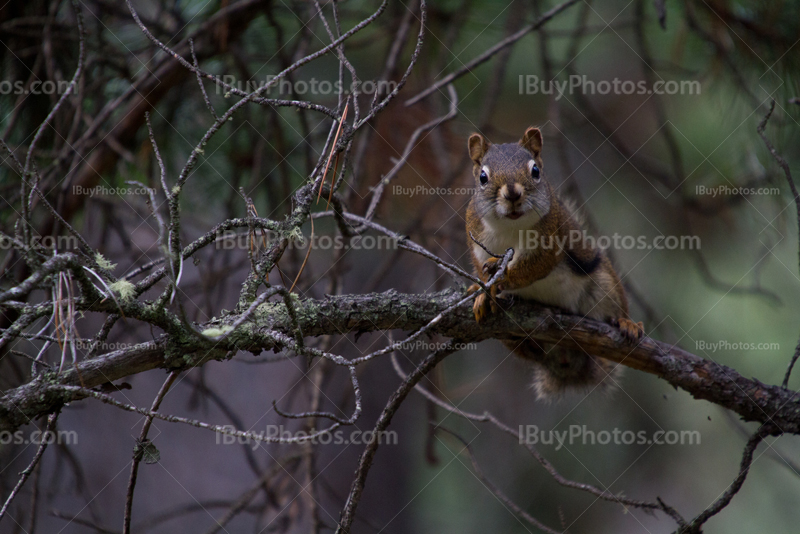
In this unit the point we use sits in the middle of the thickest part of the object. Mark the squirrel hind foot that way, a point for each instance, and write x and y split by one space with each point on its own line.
630 330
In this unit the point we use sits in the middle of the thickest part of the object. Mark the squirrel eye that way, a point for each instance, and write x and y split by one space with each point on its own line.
484 179
535 172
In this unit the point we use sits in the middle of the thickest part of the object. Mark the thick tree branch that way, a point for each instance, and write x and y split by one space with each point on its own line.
272 327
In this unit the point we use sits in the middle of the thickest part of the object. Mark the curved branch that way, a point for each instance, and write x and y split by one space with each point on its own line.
736 485
491 52
365 462
795 195
487 417
510 505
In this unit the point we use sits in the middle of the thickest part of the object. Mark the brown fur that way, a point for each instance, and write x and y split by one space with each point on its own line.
559 269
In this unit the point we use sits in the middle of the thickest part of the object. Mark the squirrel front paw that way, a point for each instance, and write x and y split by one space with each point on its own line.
484 304
630 330
490 267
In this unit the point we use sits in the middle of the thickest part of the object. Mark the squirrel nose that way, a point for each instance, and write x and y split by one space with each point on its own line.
512 194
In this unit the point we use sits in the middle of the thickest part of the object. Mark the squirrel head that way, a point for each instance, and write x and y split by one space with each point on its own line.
509 180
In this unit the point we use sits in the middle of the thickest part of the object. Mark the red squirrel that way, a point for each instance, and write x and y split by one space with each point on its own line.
514 206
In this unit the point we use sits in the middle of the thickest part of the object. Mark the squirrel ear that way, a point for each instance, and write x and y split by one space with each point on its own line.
532 140
478 145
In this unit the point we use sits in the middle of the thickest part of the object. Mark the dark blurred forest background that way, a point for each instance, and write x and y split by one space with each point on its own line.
637 164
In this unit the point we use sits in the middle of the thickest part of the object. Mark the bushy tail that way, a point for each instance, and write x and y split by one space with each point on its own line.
558 370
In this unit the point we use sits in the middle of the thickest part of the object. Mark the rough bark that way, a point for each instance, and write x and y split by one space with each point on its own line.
703 379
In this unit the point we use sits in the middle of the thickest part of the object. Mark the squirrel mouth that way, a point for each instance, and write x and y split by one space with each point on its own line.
514 215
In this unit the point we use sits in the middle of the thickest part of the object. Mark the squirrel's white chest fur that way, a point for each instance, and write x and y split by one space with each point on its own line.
562 287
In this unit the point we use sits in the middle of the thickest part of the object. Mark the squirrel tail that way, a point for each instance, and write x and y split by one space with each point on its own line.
558 370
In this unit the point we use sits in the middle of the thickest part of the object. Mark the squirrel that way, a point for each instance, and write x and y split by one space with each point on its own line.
515 206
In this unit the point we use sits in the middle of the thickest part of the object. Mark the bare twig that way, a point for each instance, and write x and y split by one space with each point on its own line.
245 498
487 417
725 499
365 461
51 423
377 191
256 436
138 450
328 415
504 500
485 56
796 196
207 100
